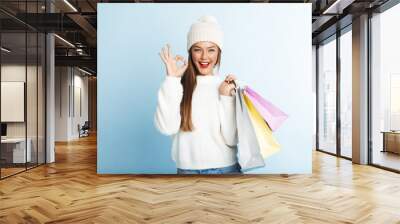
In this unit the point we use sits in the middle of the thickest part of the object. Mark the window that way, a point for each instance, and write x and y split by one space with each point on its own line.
346 94
327 96
22 65
385 88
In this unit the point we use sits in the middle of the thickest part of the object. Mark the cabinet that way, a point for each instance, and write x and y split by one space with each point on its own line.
391 141
13 150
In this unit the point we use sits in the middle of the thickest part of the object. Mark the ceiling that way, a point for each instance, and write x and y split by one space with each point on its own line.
76 22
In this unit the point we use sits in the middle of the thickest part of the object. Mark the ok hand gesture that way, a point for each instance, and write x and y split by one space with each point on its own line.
171 62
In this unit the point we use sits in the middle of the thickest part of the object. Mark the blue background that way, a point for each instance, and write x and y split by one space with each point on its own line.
267 46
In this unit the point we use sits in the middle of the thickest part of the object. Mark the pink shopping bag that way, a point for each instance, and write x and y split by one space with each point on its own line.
271 114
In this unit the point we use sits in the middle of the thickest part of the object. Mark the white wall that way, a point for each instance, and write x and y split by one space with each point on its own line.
79 117
15 72
62 81
70 83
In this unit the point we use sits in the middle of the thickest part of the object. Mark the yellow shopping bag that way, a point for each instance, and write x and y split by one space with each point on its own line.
267 142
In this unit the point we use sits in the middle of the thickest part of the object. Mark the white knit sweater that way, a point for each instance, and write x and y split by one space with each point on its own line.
212 143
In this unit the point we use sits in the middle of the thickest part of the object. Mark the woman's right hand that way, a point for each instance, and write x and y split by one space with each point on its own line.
171 62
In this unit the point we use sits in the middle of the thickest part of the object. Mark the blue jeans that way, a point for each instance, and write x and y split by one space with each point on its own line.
234 169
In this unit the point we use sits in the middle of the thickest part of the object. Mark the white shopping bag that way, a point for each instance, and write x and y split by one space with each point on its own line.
249 153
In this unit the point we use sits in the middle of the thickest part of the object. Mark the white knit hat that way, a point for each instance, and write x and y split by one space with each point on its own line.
205 29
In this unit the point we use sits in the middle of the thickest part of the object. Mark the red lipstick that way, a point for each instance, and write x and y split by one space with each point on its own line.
204 65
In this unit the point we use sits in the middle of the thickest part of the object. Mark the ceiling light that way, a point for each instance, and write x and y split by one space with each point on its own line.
337 7
84 71
64 40
5 50
70 5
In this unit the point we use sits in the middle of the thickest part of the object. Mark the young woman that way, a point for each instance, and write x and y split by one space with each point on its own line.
196 107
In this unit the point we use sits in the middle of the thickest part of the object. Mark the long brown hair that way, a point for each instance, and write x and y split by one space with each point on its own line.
189 83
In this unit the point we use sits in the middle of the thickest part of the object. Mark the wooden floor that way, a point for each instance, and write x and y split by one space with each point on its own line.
70 191
387 159
5 172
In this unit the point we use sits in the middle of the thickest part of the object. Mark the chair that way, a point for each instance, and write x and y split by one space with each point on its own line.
84 130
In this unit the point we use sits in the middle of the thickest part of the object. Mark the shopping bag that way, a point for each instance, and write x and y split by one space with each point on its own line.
269 112
267 142
249 155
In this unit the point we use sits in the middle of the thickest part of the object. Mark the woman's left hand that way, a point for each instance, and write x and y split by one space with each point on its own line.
227 86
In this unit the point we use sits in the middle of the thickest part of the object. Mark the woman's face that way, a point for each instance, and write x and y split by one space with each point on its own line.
205 56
